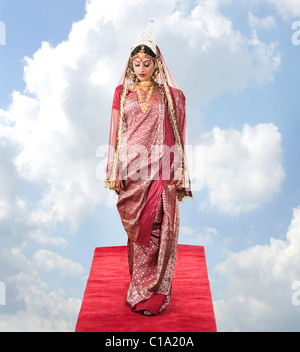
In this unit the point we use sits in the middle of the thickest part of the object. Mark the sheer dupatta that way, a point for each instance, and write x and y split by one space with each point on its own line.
174 130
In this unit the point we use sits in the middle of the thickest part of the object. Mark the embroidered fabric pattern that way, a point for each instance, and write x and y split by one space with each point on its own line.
147 141
152 268
175 103
143 130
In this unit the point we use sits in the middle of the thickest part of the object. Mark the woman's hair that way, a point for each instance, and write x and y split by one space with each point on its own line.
147 50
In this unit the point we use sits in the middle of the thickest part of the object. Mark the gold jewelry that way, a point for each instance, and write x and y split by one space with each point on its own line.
141 53
155 72
155 75
145 86
133 76
147 39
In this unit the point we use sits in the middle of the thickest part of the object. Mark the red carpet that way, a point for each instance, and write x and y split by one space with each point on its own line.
104 308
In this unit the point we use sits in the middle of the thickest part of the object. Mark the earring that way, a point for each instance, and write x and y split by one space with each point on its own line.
155 72
133 76
155 75
130 72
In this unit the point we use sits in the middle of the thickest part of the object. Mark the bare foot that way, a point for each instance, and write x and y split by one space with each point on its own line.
148 314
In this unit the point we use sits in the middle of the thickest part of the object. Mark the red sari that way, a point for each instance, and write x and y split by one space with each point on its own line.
149 206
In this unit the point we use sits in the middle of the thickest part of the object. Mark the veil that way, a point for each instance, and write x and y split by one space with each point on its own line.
174 131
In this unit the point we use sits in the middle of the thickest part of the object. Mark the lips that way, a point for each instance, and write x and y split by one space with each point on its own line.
141 75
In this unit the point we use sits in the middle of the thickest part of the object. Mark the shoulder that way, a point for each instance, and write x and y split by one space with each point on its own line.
117 97
131 88
118 90
177 92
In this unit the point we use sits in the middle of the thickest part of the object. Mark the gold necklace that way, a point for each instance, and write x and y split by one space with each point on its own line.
145 86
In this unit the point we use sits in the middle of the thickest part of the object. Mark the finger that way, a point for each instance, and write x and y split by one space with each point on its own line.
120 183
179 183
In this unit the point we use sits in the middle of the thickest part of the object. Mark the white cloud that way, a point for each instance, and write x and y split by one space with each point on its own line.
267 22
50 133
46 238
260 280
286 8
45 261
201 235
59 314
45 311
31 303
215 57
57 125
242 169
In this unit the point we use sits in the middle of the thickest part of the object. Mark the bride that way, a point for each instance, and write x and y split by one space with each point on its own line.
147 168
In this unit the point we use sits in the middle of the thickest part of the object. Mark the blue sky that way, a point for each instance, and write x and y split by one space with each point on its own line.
27 25
238 68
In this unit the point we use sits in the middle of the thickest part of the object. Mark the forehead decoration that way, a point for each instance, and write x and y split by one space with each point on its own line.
141 55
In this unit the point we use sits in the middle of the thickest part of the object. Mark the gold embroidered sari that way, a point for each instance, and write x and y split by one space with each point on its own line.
146 147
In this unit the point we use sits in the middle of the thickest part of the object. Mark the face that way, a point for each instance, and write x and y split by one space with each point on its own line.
143 68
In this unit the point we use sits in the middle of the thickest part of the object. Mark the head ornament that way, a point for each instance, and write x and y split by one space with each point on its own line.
174 99
147 39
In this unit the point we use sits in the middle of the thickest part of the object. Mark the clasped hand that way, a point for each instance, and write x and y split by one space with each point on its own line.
177 179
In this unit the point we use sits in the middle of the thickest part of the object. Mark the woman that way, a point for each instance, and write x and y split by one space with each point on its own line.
147 168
